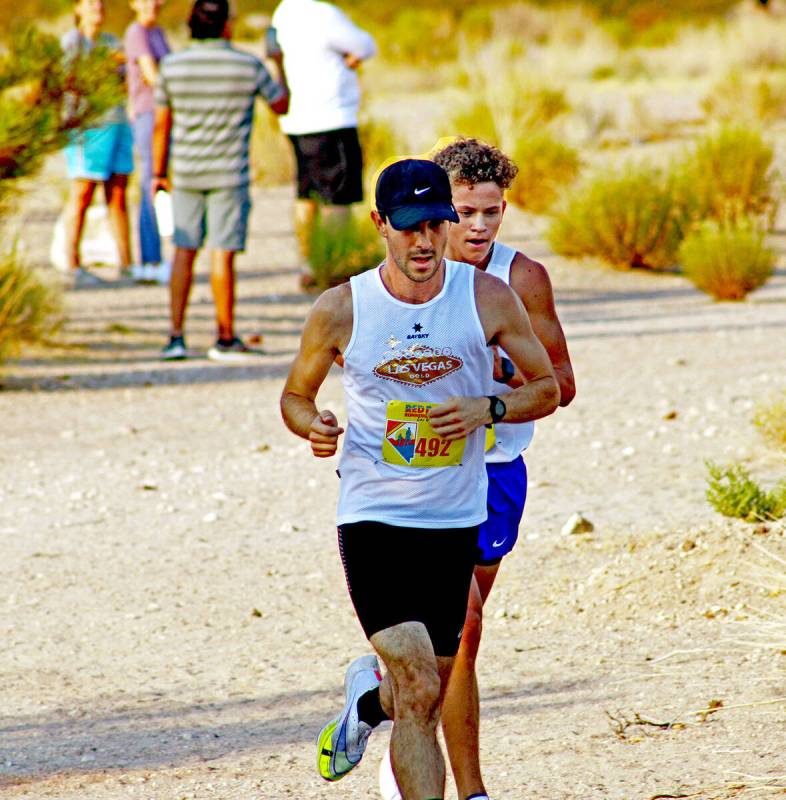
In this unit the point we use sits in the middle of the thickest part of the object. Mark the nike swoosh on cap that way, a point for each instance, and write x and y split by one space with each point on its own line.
500 542
421 191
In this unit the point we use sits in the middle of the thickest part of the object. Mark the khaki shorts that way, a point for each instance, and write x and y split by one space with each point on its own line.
221 215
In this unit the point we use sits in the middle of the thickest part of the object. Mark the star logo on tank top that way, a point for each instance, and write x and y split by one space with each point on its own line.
417 328
418 365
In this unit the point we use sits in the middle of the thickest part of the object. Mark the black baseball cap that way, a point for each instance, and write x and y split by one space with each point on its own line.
412 191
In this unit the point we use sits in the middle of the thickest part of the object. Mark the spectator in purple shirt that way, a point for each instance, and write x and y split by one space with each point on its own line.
145 45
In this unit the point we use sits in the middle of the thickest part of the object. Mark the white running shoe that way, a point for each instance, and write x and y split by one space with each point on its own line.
234 352
388 787
342 742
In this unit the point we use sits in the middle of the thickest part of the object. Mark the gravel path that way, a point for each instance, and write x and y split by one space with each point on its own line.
172 607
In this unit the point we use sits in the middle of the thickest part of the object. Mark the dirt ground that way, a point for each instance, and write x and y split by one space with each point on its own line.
173 614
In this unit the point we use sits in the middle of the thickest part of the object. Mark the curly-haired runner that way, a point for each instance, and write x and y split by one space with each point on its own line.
479 175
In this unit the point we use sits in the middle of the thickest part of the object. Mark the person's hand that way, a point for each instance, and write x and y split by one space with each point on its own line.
323 434
161 185
352 61
459 416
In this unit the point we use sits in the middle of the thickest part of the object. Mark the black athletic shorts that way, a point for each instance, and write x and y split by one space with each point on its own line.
329 166
397 574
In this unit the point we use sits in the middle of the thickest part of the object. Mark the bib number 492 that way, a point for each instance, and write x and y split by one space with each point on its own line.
431 448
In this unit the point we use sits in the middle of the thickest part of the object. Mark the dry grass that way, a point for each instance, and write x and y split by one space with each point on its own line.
30 309
726 261
339 249
272 160
625 218
546 166
770 420
727 176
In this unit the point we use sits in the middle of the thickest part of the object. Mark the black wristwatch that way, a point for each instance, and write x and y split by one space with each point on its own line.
496 409
508 370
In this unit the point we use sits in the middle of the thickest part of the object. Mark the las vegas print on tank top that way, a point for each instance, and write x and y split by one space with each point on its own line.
510 439
416 353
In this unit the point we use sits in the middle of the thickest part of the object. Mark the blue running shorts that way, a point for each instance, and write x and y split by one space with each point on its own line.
506 497
96 154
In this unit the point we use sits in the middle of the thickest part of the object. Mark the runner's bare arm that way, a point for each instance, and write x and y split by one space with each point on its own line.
530 280
505 322
325 334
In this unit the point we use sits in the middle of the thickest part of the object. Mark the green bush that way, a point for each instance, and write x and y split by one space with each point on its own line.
728 177
43 98
770 419
726 261
627 219
732 492
545 167
30 310
341 248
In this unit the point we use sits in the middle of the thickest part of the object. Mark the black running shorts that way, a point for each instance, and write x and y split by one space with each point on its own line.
397 575
329 166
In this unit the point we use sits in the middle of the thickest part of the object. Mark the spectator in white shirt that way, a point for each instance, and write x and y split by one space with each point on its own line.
322 49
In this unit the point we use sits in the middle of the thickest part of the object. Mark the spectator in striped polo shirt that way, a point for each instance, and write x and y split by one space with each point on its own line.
204 111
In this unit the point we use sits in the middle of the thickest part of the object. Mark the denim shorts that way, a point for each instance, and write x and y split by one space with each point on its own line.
96 154
221 215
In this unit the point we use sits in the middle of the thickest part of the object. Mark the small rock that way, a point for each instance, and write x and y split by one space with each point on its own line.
670 415
577 523
210 517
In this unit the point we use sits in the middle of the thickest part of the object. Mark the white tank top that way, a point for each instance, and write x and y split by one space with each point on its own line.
416 353
510 439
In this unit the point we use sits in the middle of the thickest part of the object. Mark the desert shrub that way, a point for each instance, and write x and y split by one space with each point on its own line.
272 160
545 166
770 419
627 219
736 97
726 261
379 142
507 111
340 248
404 38
728 177
474 121
732 492
30 310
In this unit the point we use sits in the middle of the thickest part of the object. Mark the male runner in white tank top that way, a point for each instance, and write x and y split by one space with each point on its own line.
414 335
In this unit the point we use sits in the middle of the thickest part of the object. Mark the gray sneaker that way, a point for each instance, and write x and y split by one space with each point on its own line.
175 350
80 278
234 352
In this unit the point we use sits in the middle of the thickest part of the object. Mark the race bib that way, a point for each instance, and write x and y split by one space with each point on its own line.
491 438
410 441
